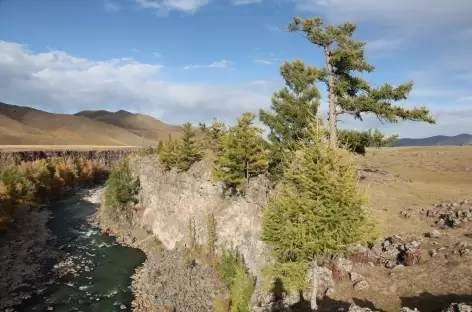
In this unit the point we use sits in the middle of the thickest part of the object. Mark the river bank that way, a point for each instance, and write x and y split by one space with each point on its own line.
57 260
26 254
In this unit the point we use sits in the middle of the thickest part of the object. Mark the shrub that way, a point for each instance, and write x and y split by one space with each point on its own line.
230 260
40 181
241 290
121 190
235 276
212 235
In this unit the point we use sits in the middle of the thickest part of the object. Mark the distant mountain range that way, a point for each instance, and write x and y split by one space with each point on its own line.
461 139
20 125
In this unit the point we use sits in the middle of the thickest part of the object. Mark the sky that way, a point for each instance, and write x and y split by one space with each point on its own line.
189 60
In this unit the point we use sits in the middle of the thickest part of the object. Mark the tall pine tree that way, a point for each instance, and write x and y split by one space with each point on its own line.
348 93
317 212
188 152
244 154
292 109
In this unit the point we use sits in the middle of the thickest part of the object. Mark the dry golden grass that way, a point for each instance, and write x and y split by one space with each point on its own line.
437 174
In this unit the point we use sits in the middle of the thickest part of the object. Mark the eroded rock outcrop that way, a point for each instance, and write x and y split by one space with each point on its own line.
171 199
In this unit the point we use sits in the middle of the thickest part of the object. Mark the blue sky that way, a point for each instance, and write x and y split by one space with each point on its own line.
182 60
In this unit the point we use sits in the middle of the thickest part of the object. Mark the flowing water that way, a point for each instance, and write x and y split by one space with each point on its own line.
94 271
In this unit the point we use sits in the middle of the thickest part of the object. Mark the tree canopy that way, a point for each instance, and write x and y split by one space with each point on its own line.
291 110
350 94
244 153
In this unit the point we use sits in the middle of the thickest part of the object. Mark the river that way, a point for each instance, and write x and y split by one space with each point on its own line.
93 272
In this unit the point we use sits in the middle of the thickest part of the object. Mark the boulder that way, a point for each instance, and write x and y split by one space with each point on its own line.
459 307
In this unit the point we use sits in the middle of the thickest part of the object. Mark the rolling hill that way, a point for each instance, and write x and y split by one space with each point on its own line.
20 125
438 140
141 125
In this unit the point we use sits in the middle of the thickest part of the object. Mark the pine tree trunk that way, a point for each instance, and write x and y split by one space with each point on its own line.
332 123
314 285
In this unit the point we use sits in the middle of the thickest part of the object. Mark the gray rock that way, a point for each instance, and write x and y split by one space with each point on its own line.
458 307
390 264
356 277
343 264
361 285
405 309
355 308
122 307
330 292
434 234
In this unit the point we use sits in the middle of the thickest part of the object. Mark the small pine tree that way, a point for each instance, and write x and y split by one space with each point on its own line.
168 155
212 234
212 138
121 190
318 211
160 145
241 290
187 152
244 154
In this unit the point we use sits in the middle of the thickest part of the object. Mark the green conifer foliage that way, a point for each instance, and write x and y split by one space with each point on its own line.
160 145
168 155
244 154
348 93
293 108
212 139
121 191
187 152
358 141
318 210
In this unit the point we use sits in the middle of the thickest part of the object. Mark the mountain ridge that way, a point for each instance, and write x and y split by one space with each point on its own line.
23 125
460 139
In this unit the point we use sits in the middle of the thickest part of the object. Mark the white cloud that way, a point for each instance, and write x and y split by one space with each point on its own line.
111 6
217 64
412 14
135 50
156 54
244 2
263 62
164 6
59 82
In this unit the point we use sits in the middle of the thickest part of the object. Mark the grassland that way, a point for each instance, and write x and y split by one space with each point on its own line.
415 177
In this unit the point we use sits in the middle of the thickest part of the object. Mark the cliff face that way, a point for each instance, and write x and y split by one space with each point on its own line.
172 198
106 157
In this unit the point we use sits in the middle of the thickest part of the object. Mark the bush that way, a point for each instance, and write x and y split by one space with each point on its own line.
212 235
121 190
40 181
241 290
234 274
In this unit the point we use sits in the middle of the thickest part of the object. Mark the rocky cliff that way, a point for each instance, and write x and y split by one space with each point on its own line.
170 199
